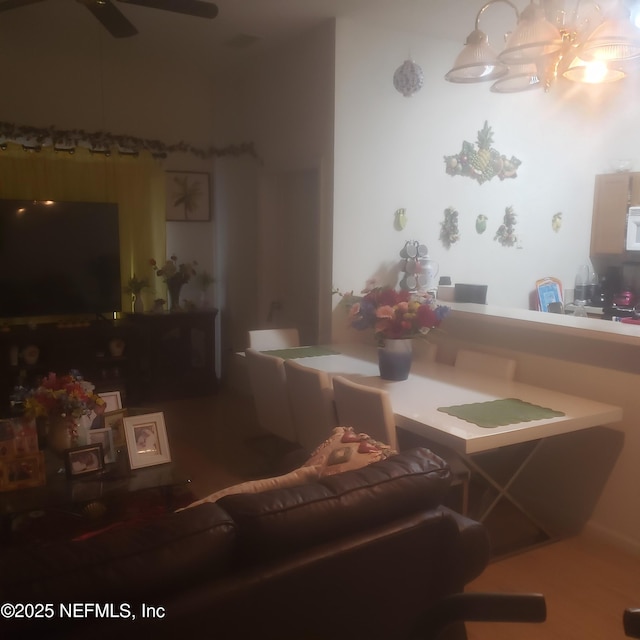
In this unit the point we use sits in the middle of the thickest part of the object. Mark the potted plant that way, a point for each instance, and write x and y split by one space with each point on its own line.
134 287
203 281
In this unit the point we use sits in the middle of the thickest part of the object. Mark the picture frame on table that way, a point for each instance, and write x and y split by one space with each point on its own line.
188 198
105 438
147 441
112 402
114 420
112 399
84 461
23 472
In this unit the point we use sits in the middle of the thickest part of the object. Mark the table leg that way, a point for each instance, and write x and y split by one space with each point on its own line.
503 489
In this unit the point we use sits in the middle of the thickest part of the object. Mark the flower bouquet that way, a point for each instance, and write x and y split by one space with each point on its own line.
395 317
395 314
60 400
175 275
134 287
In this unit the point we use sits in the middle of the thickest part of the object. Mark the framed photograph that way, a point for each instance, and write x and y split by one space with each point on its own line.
105 438
549 290
22 473
146 440
112 399
84 461
187 196
7 444
114 420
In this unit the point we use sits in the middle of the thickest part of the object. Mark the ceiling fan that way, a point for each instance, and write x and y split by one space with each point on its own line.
115 22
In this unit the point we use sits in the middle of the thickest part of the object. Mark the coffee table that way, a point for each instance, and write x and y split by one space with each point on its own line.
69 509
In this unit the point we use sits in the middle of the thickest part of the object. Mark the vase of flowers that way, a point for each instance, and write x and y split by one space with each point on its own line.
135 287
203 281
63 404
396 318
175 276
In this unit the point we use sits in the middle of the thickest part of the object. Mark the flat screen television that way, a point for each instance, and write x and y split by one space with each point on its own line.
59 258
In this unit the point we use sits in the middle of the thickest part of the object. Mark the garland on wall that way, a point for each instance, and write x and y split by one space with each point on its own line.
35 138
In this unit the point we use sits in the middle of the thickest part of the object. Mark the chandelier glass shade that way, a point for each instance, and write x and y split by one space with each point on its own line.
593 72
533 38
551 38
477 62
521 77
615 40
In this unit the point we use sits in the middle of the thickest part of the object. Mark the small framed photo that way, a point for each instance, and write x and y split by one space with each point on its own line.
84 461
105 438
22 473
187 194
7 444
114 420
146 440
112 399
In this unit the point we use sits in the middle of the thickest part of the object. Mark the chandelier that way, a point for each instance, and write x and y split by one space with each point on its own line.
574 39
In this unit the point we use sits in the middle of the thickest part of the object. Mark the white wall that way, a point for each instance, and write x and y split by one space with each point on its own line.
284 104
389 153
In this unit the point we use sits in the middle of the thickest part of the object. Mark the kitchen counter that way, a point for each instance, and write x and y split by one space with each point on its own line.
555 323
587 357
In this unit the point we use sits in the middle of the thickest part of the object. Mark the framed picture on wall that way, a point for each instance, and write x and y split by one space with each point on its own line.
187 196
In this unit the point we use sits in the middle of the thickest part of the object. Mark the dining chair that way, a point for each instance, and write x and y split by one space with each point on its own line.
486 364
369 410
269 339
311 401
366 409
267 379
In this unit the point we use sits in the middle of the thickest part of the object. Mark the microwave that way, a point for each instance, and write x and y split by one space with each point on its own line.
633 229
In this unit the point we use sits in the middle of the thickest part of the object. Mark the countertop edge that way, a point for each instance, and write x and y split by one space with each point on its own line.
592 328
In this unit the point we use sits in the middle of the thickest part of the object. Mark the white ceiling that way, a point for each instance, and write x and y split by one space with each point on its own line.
202 42
36 28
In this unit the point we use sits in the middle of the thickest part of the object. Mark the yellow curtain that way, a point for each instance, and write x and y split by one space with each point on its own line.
135 184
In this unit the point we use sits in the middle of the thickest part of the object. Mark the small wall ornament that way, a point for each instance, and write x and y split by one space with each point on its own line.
449 232
400 219
506 233
482 163
481 223
408 78
556 221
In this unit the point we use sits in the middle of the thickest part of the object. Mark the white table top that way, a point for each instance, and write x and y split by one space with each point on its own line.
431 385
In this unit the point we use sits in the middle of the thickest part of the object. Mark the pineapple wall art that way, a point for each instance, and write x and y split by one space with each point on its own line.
480 161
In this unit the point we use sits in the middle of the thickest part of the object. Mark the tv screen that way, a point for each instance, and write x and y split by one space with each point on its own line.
59 258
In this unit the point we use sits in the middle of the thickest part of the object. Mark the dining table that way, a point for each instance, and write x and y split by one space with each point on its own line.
467 413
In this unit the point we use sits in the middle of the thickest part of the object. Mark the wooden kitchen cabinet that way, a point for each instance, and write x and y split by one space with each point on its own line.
613 194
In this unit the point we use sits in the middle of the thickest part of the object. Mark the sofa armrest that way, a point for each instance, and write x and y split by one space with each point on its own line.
480 607
475 546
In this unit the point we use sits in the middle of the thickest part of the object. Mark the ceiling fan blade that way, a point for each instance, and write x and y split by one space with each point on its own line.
111 18
14 4
197 8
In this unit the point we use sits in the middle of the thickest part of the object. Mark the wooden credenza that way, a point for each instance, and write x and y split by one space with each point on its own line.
173 357
165 356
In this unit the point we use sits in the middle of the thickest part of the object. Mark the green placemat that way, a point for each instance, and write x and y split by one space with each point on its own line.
301 352
498 413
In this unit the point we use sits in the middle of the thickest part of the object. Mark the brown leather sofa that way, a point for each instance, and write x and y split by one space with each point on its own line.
369 553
